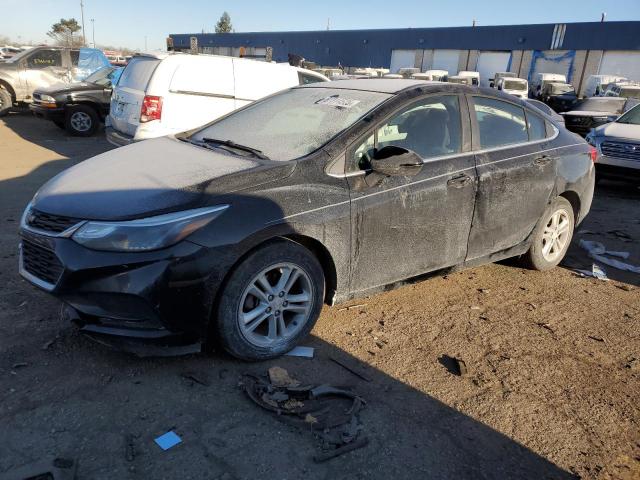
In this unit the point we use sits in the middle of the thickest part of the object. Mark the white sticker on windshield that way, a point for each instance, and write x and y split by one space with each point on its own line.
337 102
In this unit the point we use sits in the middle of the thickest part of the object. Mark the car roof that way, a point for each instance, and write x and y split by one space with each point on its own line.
380 85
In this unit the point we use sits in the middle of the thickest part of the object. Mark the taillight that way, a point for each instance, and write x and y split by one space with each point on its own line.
151 108
593 153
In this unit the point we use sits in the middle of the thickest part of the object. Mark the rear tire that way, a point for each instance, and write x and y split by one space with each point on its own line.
81 121
257 320
551 236
6 102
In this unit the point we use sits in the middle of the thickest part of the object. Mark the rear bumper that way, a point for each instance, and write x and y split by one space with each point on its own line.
117 138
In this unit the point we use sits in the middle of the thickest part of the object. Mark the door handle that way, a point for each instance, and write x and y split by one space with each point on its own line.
459 181
542 160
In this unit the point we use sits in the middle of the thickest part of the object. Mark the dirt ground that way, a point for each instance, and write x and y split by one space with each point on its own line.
552 388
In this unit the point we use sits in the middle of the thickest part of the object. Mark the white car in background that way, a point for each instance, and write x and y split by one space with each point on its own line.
541 79
623 89
618 145
166 93
493 82
438 75
518 87
474 76
597 84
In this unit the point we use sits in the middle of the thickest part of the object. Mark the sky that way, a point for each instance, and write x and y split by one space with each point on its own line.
126 23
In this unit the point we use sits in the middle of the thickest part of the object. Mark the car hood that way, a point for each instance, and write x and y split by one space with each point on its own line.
63 88
620 130
150 178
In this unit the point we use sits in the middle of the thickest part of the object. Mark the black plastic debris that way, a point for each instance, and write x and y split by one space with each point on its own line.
454 365
55 469
331 413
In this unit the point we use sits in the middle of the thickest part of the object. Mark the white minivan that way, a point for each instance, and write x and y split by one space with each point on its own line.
166 93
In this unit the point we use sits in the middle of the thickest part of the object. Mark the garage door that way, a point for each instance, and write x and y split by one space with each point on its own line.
446 60
552 62
623 63
491 62
402 59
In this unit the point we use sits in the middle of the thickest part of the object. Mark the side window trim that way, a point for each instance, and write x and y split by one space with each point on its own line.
475 131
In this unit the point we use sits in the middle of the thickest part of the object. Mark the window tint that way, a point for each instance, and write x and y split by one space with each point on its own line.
45 58
537 127
500 123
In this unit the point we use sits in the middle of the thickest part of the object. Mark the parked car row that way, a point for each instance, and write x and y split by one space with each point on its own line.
42 67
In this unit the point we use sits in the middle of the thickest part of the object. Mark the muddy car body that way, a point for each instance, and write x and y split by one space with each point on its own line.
334 192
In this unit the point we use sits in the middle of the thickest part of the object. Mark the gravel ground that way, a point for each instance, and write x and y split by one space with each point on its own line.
551 386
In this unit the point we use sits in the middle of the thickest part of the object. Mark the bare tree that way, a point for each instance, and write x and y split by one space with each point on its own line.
224 24
62 33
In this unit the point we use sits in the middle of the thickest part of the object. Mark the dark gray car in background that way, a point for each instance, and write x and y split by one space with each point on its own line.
238 232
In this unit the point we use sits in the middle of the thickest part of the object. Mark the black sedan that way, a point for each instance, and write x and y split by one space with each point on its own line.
239 231
78 107
595 111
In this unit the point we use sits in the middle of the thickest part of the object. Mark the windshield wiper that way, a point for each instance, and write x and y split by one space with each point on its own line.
236 146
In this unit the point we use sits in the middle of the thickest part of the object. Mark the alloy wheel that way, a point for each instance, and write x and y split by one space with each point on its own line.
80 121
275 305
556 234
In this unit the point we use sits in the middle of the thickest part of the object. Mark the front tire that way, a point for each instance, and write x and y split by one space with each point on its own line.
81 121
6 102
271 301
551 237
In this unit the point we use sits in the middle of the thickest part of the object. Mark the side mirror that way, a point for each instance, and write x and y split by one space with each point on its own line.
392 161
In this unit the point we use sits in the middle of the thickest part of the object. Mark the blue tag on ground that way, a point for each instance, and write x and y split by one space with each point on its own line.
168 440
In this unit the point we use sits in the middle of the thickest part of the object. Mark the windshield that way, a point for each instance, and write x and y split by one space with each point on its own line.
514 85
293 123
632 117
630 92
601 104
101 77
559 89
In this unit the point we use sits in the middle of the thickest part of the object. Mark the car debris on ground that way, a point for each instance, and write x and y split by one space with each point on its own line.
55 469
597 251
331 413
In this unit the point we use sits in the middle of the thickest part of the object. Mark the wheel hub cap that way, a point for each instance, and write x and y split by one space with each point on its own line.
275 305
80 121
556 235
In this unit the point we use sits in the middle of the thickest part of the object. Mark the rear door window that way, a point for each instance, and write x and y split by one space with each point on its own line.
499 123
138 73
45 58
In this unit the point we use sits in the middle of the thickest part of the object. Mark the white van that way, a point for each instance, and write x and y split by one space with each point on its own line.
166 93
474 76
518 87
438 75
539 80
597 84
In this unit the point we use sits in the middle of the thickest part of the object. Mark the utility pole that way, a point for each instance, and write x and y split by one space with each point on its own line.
603 16
93 31
145 43
328 23
84 39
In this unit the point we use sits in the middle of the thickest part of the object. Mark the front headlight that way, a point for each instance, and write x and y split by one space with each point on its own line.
146 233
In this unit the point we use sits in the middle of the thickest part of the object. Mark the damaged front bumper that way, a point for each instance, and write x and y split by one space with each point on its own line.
161 298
